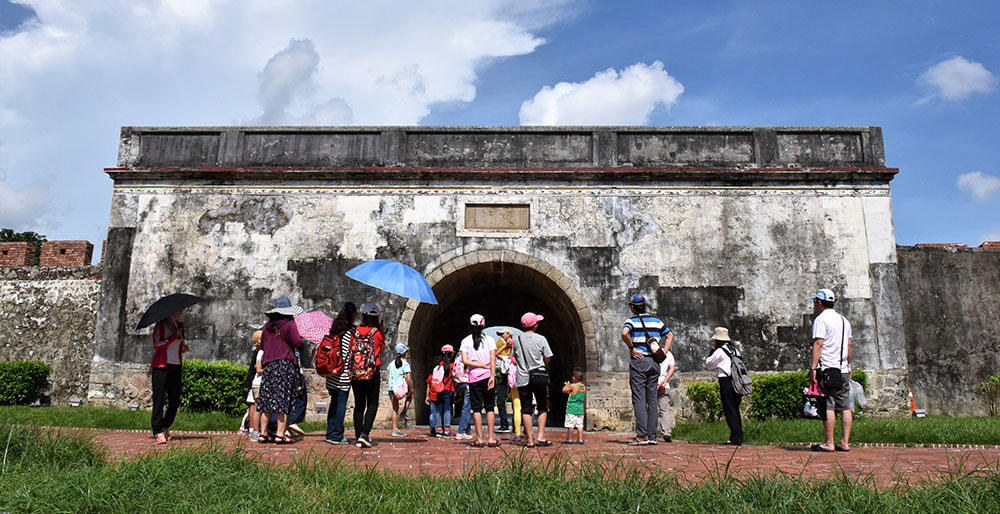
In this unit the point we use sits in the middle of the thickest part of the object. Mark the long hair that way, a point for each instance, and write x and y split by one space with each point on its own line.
476 338
399 361
343 322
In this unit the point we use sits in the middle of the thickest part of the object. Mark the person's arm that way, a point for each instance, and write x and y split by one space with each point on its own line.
667 341
850 349
159 341
465 360
627 338
816 353
293 337
567 388
257 365
670 373
715 360
493 370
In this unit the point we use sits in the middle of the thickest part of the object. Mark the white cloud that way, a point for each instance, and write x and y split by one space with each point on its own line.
958 78
980 186
71 77
23 208
608 98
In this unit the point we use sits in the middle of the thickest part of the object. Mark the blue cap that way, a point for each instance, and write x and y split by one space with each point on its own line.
638 299
401 349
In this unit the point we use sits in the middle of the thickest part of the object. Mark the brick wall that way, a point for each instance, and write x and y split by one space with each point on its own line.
17 254
66 253
990 244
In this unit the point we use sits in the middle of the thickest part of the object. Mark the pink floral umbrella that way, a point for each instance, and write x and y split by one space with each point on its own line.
313 325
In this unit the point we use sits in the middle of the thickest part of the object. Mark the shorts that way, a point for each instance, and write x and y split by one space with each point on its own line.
480 396
839 400
537 393
253 394
574 421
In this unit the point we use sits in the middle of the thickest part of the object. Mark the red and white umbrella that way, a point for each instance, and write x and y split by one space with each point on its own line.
313 325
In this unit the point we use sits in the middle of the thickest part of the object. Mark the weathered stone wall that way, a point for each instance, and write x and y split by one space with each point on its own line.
48 314
720 226
951 315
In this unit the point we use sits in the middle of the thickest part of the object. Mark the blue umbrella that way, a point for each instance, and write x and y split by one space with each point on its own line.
394 277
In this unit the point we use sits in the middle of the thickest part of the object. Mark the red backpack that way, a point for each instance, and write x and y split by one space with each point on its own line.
437 379
363 355
328 359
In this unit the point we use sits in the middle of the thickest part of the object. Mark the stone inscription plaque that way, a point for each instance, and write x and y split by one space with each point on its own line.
492 216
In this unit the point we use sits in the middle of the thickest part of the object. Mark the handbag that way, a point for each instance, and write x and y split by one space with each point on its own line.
832 378
400 390
537 376
658 355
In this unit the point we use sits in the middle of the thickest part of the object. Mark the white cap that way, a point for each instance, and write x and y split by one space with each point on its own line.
825 295
478 320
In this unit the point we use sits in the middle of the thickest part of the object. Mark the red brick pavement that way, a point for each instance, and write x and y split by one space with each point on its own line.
416 454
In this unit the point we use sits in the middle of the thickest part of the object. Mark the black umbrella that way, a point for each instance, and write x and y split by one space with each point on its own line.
164 307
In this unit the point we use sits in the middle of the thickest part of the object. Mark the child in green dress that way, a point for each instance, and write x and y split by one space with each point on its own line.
577 392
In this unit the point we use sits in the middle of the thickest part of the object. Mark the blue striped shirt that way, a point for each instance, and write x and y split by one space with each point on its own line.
654 328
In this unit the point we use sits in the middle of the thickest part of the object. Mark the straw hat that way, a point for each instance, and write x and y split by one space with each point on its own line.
721 334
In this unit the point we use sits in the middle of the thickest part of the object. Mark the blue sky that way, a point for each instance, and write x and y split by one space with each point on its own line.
73 72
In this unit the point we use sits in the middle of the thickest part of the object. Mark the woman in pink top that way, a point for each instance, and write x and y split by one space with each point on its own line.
479 357
168 345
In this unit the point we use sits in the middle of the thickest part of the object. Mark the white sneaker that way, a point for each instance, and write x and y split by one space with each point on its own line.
365 442
464 437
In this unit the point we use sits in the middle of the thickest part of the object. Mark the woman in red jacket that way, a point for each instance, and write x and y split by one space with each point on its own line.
367 344
168 346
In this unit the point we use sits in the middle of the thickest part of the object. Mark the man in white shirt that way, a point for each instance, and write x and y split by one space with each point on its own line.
832 345
667 369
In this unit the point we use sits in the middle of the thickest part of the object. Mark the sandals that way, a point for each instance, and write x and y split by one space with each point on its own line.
841 448
543 443
819 448
477 445
283 440
494 444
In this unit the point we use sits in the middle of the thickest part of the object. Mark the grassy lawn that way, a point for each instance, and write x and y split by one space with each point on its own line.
930 430
43 472
122 419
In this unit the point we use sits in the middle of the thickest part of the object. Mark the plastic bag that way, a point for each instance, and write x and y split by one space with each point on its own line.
814 406
858 394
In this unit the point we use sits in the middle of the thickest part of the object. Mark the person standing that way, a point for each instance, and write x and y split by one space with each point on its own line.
504 346
577 392
367 345
720 361
279 340
832 347
440 388
532 354
667 369
463 400
339 386
168 348
479 357
400 388
643 371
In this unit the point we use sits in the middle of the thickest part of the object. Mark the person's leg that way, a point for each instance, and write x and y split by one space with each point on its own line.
652 411
637 384
254 418
579 430
371 408
173 395
515 400
282 423
542 401
360 401
846 420
527 408
463 421
265 420
435 417
663 403
502 391
298 414
394 415
489 400
445 397
476 402
159 383
731 409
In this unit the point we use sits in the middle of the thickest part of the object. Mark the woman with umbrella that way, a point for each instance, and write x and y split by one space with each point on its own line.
279 340
168 346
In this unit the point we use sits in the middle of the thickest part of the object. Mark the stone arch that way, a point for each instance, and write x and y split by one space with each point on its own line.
499 283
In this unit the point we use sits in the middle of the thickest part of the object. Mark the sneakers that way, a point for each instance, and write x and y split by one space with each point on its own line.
166 432
502 430
517 438
668 439
342 440
398 433
463 437
364 442
254 436
651 442
161 439
447 433
433 434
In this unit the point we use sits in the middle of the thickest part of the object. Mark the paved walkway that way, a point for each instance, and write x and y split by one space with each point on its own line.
417 454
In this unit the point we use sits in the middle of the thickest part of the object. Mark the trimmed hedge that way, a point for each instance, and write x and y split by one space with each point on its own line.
213 386
23 382
776 395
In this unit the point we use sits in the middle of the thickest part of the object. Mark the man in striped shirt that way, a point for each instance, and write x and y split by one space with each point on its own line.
643 372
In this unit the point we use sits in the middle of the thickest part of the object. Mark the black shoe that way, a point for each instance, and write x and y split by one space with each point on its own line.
668 439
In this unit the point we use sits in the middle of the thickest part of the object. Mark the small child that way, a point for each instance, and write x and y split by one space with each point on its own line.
400 387
577 392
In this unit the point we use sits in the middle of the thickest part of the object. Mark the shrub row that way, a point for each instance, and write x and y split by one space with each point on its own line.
213 386
776 395
23 382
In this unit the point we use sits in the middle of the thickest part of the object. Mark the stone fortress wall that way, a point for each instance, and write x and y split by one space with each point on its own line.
725 226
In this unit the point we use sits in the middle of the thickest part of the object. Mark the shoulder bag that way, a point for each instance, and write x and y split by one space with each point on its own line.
537 376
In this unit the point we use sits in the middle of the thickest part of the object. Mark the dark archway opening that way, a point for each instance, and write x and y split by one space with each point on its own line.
502 292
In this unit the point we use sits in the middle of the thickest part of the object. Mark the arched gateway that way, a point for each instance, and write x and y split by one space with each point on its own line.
731 226
501 285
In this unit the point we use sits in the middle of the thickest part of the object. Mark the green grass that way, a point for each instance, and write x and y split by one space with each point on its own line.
912 431
58 474
123 419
